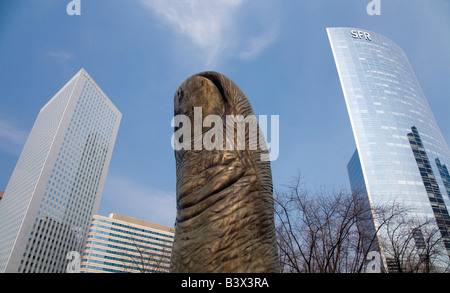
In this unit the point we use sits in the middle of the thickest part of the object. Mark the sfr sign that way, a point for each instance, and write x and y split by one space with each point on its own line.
360 35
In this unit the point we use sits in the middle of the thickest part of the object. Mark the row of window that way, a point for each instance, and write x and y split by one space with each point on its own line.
139 232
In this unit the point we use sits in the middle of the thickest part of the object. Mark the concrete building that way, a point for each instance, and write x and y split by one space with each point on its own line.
121 244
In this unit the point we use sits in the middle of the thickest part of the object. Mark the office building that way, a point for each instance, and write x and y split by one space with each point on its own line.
56 186
121 244
401 155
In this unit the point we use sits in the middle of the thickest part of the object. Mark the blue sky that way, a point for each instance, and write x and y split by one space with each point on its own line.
140 51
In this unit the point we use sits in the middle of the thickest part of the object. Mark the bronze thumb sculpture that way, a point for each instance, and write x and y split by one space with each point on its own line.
225 214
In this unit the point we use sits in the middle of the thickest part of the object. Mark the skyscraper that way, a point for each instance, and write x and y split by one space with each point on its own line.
118 244
56 186
401 154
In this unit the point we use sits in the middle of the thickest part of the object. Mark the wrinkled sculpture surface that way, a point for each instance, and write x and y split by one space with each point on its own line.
225 221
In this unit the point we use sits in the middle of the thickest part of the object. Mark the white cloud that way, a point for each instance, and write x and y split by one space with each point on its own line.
60 55
212 27
12 139
256 45
131 198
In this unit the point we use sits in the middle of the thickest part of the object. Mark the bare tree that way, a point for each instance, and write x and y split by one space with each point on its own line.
414 245
145 256
149 260
322 232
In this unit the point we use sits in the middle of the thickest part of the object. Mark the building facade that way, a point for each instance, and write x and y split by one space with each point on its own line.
57 183
401 154
121 244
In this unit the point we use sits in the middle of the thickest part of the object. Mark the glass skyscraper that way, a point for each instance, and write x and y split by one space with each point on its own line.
56 186
401 155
